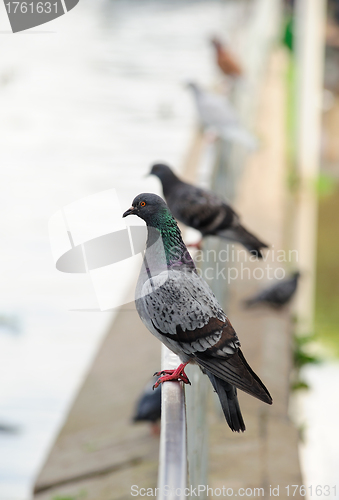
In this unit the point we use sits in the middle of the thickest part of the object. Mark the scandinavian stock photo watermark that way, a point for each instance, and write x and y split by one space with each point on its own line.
89 236
24 15
203 490
231 264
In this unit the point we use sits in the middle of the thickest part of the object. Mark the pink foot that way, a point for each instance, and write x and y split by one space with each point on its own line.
195 245
177 374
170 375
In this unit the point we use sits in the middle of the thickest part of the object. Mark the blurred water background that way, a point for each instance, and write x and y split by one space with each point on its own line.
87 106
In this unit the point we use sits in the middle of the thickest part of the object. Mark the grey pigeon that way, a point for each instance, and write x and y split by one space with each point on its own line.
204 210
148 407
277 295
217 113
8 428
179 308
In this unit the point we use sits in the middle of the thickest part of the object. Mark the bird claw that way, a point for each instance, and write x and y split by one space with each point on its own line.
169 378
164 372
172 375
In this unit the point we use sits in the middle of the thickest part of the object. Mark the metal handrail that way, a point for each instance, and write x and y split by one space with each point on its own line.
172 479
183 448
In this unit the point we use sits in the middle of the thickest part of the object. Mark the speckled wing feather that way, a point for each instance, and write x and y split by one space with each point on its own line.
184 312
182 299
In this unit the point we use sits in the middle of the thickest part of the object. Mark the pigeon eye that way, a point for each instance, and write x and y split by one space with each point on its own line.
142 203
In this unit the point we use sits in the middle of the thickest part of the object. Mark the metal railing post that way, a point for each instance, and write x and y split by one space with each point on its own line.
172 479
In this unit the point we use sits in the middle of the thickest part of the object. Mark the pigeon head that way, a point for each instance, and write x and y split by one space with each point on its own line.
164 173
147 206
154 211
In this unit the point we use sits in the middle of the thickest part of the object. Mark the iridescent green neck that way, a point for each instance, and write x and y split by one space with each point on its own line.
172 244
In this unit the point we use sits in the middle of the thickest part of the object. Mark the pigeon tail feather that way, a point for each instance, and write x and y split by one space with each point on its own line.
228 398
247 239
236 371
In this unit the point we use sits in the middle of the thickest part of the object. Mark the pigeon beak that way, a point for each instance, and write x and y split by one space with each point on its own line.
130 211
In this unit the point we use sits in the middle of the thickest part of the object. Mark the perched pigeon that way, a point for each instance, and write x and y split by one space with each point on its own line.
225 60
204 210
148 407
179 308
277 295
217 113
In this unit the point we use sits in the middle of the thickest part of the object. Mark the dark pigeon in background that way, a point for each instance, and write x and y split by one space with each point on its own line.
277 295
148 407
178 307
217 114
204 210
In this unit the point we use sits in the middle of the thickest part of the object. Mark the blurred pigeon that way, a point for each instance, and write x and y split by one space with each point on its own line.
148 407
217 113
8 428
204 210
225 60
10 323
179 308
277 295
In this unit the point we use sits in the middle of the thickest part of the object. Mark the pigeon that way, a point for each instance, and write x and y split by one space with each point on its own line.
8 428
148 407
204 210
225 60
217 113
10 323
178 307
277 295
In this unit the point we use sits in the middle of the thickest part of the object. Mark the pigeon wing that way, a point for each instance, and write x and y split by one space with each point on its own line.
200 209
183 309
180 299
186 316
